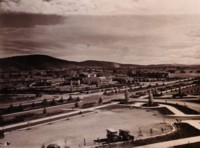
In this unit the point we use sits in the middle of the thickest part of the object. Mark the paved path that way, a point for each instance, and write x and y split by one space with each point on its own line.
191 105
178 114
173 109
51 118
169 144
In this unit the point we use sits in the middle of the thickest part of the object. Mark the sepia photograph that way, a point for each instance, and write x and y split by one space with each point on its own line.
99 73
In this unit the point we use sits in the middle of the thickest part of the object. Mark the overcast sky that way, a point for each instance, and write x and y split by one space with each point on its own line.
152 32
103 6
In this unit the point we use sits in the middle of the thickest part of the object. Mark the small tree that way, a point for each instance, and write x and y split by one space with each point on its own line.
76 105
33 105
43 146
84 141
10 108
162 130
77 99
100 100
53 102
44 102
140 132
44 111
126 96
20 108
151 131
105 92
61 99
70 98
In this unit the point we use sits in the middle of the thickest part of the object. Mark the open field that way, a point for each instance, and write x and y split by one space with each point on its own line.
91 126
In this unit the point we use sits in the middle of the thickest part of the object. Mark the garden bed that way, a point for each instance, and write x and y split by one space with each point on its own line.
183 109
163 111
189 145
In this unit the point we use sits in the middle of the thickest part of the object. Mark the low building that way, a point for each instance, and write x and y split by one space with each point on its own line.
56 81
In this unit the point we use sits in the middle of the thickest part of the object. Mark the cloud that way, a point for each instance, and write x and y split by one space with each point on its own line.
102 7
28 20
124 39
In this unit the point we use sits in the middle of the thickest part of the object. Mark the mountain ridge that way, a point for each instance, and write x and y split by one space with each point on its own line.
45 62
38 61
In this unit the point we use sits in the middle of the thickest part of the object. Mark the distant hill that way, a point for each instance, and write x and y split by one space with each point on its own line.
93 63
30 62
44 62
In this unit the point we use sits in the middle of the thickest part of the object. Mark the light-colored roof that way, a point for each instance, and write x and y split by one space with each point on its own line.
111 130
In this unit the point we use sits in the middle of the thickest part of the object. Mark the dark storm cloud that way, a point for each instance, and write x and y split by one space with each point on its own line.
28 20
7 1
9 18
